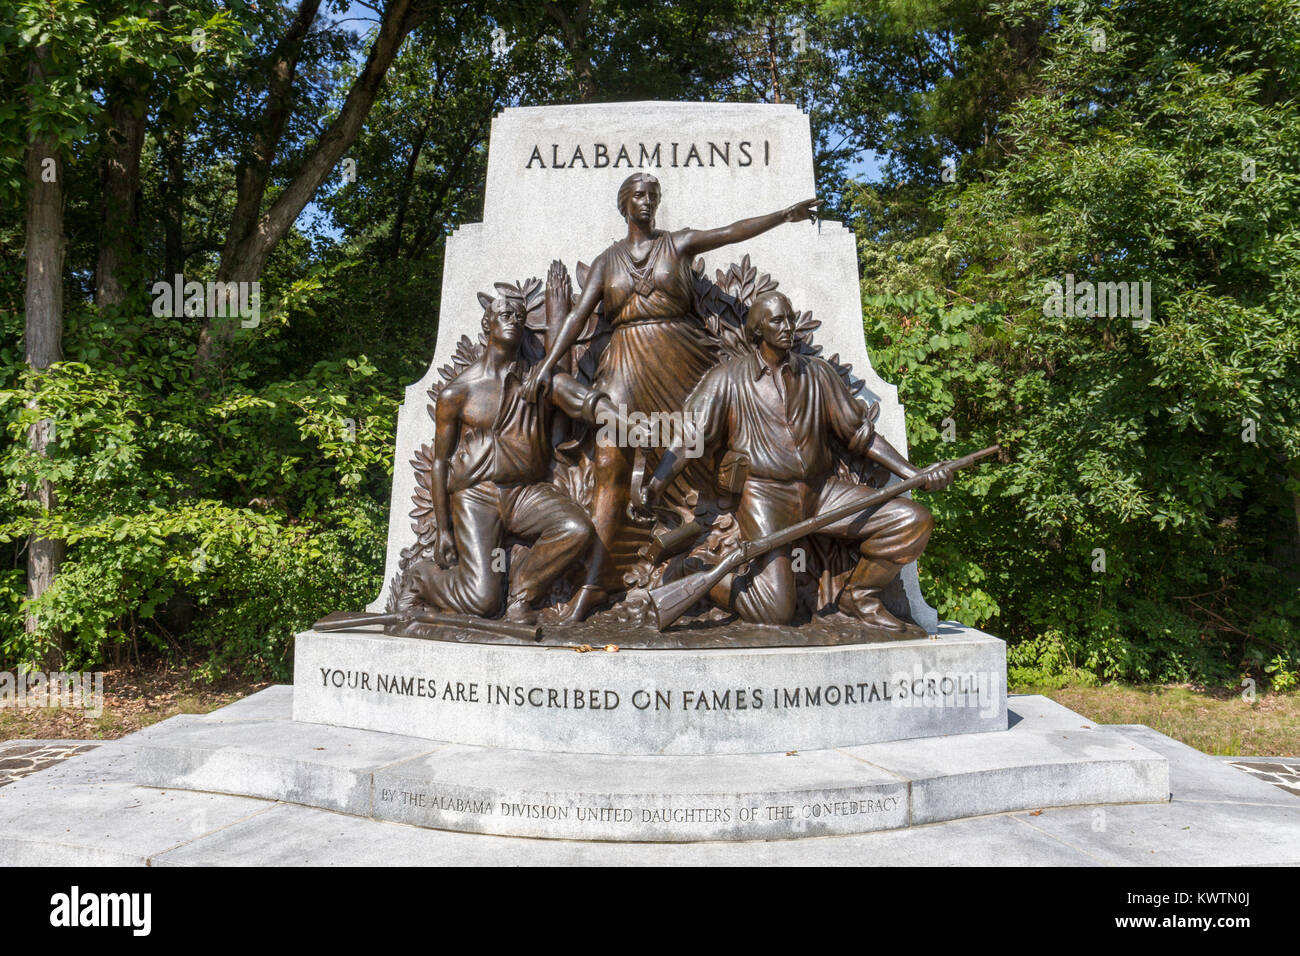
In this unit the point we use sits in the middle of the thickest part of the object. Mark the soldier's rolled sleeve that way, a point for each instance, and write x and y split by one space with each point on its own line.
860 440
706 407
852 420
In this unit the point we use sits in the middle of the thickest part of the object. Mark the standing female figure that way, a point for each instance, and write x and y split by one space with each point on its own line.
657 350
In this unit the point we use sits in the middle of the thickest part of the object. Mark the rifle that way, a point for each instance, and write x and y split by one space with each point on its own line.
333 622
672 600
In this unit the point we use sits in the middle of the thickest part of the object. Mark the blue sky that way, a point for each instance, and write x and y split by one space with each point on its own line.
315 222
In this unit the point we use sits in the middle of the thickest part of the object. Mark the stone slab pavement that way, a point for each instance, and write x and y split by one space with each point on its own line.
1282 772
21 758
87 810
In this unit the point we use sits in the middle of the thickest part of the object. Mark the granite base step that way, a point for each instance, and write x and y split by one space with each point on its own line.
1049 757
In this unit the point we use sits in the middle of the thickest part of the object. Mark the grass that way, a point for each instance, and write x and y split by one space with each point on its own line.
1213 720
133 698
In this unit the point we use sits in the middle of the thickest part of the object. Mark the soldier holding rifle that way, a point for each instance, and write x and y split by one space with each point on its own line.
774 410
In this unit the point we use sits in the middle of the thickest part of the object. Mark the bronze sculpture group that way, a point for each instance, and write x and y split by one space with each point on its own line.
774 412
524 506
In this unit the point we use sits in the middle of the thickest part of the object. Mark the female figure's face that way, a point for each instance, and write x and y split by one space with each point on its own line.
643 202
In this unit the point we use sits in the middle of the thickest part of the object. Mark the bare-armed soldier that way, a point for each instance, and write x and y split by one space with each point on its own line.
489 476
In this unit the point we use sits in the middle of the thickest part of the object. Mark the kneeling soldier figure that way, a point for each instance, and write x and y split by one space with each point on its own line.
773 411
491 449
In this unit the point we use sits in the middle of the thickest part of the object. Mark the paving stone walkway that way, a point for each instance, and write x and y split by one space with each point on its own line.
18 758
1282 772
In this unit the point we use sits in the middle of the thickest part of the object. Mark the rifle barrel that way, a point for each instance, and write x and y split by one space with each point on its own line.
525 632
332 622
808 526
672 600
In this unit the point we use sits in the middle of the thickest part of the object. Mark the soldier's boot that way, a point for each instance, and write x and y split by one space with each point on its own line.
861 595
584 601
520 611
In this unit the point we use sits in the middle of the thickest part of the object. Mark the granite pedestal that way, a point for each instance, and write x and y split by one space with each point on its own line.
1047 757
92 810
643 702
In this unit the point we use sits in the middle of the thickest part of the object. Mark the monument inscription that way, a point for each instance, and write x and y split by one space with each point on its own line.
759 700
672 155
916 690
859 810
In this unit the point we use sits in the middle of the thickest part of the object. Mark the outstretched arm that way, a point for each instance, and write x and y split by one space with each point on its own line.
570 328
694 242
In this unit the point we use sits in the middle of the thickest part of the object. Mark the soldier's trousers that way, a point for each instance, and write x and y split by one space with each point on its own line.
480 516
896 531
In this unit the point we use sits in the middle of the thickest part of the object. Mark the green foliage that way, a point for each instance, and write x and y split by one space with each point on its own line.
1105 453
200 519
926 351
1143 524
1046 661
1173 447
1283 674
88 43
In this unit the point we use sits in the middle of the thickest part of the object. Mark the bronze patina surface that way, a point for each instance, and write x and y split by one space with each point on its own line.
603 630
655 354
598 453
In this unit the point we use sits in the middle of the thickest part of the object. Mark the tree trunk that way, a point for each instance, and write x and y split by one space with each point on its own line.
173 202
254 169
399 20
450 178
247 247
117 241
771 61
43 337
408 182
574 29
